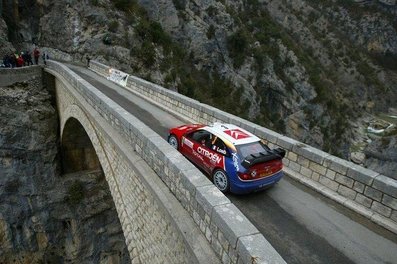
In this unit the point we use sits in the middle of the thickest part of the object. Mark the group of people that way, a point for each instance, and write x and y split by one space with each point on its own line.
23 59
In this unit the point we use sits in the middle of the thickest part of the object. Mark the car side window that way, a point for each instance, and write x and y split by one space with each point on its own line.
219 146
202 137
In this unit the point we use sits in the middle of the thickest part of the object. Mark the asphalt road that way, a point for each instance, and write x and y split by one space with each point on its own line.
303 226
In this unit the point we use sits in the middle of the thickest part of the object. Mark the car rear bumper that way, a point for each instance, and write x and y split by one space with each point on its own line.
241 187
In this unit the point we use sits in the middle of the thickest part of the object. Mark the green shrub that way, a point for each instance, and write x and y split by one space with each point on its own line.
252 4
12 186
179 4
212 11
211 32
147 53
113 26
259 56
124 5
367 71
75 193
321 89
312 17
188 85
387 60
153 32
237 45
158 34
107 40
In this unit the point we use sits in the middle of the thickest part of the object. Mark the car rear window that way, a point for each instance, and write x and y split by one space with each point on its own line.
251 148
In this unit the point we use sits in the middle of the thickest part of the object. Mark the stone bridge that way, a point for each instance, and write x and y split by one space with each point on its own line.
169 211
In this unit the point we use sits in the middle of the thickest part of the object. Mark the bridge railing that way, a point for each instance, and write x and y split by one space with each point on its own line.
365 191
231 235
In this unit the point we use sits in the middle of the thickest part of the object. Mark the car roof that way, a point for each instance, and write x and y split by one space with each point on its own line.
232 133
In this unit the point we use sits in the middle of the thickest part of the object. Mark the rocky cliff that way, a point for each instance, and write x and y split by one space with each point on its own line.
309 69
46 217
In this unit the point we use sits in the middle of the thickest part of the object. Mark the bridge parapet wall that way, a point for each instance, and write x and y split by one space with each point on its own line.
365 191
9 76
231 235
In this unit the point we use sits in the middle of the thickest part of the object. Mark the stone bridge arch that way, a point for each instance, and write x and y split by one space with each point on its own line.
76 128
77 151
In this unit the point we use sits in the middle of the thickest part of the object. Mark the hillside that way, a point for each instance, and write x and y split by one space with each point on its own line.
321 72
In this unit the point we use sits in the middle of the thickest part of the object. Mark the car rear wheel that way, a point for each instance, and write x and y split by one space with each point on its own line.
221 180
173 141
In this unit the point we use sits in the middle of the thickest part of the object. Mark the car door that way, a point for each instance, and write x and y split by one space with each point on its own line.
212 156
190 144
220 150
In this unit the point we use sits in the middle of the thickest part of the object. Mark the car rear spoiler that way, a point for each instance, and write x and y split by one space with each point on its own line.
270 154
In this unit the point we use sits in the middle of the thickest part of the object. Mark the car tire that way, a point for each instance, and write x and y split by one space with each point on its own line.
173 141
221 180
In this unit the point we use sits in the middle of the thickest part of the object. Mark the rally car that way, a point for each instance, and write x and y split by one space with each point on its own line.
236 160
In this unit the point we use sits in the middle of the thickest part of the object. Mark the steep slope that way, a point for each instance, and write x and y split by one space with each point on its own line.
314 70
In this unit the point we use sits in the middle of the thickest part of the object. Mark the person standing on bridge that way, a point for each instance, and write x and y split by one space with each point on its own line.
88 60
24 56
20 61
13 60
7 61
28 58
45 58
36 55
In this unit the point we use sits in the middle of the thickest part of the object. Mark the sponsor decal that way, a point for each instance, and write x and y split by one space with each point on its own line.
118 77
222 151
214 158
187 142
235 161
198 155
236 134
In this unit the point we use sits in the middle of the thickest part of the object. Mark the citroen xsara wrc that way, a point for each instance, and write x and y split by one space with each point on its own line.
236 160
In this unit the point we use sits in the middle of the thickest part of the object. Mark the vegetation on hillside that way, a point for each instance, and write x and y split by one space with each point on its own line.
157 48
256 35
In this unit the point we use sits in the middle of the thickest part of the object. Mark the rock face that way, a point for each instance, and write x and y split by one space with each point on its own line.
382 156
5 46
46 217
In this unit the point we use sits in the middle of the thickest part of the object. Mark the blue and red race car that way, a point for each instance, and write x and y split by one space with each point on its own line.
236 160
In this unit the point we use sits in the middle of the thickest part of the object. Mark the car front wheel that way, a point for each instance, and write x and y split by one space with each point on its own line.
173 141
221 180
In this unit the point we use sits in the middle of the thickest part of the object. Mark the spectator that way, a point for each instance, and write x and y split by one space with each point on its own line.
28 58
45 58
20 61
6 61
23 55
13 60
36 55
88 60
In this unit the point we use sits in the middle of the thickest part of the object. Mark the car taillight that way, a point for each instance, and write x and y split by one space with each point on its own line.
261 170
244 176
